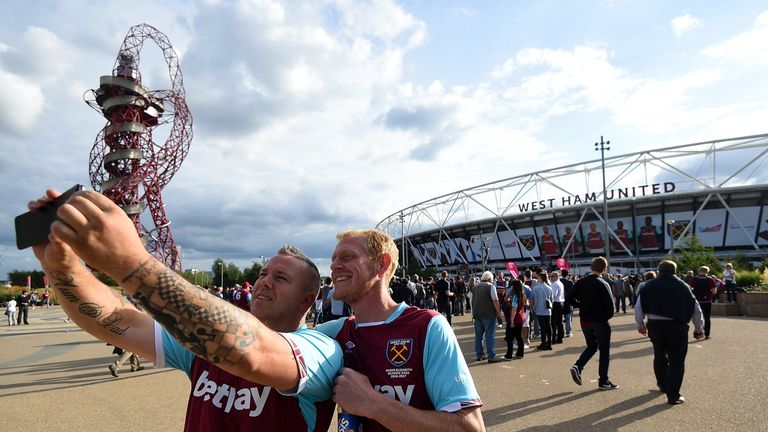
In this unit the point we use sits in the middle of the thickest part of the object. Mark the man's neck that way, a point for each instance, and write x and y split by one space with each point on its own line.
376 306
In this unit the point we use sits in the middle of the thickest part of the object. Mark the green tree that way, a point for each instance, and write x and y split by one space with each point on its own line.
19 277
232 273
252 273
693 255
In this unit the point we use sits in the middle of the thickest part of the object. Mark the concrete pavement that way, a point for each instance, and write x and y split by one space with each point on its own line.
54 377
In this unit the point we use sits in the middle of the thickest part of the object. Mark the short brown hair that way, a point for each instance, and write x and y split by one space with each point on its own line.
599 264
649 275
311 274
667 267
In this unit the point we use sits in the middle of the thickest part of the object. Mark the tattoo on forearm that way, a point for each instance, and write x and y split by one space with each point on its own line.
109 322
63 282
91 310
204 324
69 295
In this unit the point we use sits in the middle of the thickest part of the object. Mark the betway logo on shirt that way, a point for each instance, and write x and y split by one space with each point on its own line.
397 392
227 397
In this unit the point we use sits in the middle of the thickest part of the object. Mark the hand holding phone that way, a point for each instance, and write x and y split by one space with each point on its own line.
33 227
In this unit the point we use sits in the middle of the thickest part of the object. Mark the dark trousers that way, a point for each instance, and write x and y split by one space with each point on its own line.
557 322
730 290
706 310
459 306
515 335
621 300
446 309
670 345
23 315
545 323
598 336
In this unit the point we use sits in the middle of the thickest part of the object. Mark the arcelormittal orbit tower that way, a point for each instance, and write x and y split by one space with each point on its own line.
126 164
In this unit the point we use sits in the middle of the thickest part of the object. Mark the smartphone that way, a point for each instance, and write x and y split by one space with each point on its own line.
33 227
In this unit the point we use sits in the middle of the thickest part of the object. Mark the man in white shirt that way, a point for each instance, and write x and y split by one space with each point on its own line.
558 307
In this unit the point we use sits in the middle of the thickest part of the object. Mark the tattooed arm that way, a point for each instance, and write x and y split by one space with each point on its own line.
101 233
93 306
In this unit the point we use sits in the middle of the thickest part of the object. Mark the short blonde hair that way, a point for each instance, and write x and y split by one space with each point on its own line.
376 244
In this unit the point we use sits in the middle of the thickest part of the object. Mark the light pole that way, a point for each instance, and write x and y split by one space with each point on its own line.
221 264
263 260
486 249
671 222
194 274
603 146
401 218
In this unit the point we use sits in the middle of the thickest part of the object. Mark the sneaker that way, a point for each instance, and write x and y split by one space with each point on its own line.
136 369
113 370
608 385
576 374
526 346
678 401
498 359
569 334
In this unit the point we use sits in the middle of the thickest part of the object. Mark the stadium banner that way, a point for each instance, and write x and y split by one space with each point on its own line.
510 245
710 227
735 235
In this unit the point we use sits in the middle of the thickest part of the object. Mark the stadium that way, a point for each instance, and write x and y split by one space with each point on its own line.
717 190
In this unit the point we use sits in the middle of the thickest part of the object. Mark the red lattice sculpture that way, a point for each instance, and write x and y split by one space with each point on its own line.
126 165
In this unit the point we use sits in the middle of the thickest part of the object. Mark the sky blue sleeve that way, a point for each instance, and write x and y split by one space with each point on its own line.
321 358
449 383
331 328
176 356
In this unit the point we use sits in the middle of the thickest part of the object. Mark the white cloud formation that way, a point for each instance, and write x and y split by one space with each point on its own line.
747 48
683 24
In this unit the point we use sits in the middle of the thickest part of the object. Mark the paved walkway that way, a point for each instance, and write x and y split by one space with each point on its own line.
54 377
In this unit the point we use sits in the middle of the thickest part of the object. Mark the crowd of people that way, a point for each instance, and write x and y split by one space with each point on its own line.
253 363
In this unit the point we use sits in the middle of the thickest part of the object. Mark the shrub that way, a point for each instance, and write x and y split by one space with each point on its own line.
750 281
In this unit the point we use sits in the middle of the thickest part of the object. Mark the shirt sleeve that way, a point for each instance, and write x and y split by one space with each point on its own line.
494 294
170 353
449 383
319 359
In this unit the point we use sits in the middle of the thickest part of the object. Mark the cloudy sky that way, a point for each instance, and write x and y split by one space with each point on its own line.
312 117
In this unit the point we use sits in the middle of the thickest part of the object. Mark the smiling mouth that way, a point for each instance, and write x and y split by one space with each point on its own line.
263 297
340 279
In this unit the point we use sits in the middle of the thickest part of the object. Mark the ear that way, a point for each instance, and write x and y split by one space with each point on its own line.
308 300
384 262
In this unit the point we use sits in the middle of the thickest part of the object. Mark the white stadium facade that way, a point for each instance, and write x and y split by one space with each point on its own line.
717 190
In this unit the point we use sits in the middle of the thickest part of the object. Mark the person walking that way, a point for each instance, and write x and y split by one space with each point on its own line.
22 303
592 295
542 305
10 311
669 305
558 307
485 311
514 333
567 308
704 289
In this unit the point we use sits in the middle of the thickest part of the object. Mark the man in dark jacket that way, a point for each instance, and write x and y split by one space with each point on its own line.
592 295
669 304
444 296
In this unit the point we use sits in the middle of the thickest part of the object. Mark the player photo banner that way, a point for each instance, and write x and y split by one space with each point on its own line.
561 263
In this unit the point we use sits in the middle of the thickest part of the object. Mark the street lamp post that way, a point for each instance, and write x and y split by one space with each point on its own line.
603 146
221 264
401 218
194 274
263 260
671 222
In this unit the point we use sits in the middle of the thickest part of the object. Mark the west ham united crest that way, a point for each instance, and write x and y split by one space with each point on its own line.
399 351
528 241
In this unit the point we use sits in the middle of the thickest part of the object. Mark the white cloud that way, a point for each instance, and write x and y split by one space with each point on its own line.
747 48
683 24
21 102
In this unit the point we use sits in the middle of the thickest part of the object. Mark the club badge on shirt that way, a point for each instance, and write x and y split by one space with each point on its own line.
399 351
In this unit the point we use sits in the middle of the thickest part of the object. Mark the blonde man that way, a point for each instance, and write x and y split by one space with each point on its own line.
404 369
